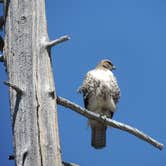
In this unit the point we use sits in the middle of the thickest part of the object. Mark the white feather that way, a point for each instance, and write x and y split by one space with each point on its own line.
96 102
106 76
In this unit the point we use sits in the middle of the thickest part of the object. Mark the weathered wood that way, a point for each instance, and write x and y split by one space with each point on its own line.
57 41
34 114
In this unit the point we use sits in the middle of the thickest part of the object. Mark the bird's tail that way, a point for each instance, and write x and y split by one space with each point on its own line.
98 139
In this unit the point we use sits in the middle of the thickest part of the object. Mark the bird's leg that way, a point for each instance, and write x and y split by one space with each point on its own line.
103 115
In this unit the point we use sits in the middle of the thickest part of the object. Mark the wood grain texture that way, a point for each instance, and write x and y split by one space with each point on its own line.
33 113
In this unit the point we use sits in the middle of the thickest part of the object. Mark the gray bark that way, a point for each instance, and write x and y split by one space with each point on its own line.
31 85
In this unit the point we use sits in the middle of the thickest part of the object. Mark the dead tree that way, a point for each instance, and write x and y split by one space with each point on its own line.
31 85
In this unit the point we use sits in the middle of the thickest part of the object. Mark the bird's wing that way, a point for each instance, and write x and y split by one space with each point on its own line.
87 87
115 90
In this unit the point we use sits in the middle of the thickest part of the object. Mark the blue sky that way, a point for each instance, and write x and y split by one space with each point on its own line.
132 34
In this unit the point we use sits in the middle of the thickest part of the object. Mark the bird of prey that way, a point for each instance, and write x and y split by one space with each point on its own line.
100 93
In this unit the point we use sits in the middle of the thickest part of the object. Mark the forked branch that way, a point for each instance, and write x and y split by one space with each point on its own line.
109 122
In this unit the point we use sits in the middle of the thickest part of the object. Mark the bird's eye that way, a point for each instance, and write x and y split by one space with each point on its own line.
109 63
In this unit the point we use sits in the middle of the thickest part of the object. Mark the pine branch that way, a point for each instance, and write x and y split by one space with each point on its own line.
109 122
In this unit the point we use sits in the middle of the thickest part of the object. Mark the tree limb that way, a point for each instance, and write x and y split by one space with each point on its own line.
68 164
57 41
1 58
109 122
15 87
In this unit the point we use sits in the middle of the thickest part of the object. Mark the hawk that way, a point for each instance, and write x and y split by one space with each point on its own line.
101 94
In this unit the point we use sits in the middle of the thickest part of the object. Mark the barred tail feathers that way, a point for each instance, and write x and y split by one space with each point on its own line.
98 132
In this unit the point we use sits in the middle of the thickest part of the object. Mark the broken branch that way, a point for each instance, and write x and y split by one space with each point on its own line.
1 58
16 88
57 41
68 164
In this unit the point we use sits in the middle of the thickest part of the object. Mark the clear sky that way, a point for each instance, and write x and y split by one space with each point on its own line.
131 33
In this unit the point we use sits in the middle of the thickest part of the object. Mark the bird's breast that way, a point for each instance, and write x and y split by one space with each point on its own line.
100 84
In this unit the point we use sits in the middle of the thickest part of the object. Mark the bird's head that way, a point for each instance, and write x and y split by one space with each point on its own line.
107 64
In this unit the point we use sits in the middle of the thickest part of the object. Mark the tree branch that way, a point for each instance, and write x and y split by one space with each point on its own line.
2 21
2 58
11 157
68 164
16 88
57 41
109 122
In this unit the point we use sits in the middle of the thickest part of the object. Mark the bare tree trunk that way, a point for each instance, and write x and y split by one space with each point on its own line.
30 78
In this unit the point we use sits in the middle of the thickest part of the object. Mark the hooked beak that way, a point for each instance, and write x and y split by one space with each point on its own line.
113 67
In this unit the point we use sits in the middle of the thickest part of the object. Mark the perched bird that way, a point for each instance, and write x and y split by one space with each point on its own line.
100 93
